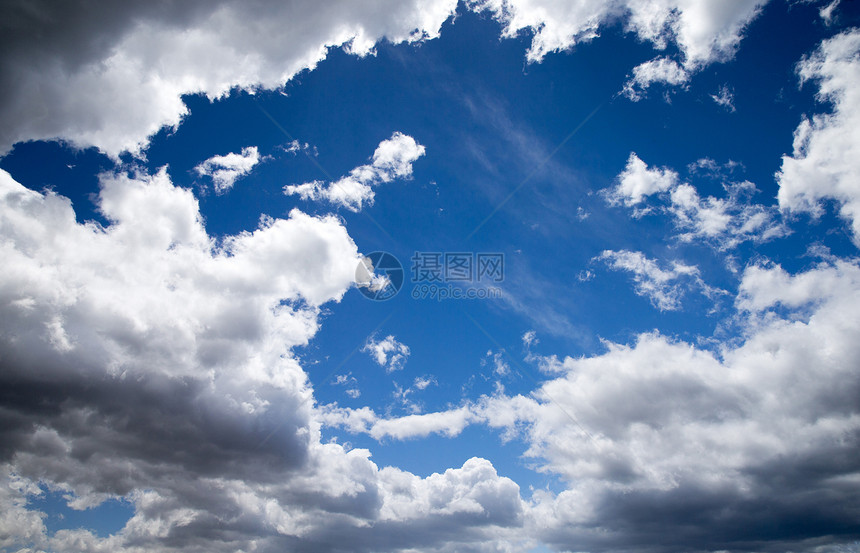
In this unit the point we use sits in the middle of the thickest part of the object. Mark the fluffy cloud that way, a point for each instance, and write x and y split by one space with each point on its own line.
658 70
722 222
392 159
638 181
704 31
224 170
768 427
144 360
666 446
825 163
388 352
664 287
113 75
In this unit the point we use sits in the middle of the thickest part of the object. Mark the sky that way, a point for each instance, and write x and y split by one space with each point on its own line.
430 276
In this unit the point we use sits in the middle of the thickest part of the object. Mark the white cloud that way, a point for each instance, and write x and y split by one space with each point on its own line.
529 338
723 222
825 163
725 98
111 78
704 30
498 363
225 170
447 423
664 434
392 159
726 222
663 287
762 426
295 146
826 12
765 287
349 381
388 352
658 70
149 363
638 181
421 383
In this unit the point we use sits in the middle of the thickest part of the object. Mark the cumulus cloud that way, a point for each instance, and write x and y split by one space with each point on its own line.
447 423
825 162
658 70
638 181
663 287
392 159
144 360
225 170
662 438
388 352
723 222
703 31
111 77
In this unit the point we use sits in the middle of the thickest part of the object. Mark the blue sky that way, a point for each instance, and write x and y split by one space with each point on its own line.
668 362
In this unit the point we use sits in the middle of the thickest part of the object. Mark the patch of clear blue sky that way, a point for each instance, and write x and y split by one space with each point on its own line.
104 520
488 121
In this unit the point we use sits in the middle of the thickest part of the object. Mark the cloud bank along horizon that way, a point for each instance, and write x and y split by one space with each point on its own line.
187 192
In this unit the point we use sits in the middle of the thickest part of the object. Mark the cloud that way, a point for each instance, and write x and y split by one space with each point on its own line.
725 98
448 423
388 352
422 382
225 170
765 431
529 337
637 182
497 361
826 12
703 31
658 70
392 159
143 360
295 146
662 438
825 162
111 77
725 222
663 287
351 382
722 222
